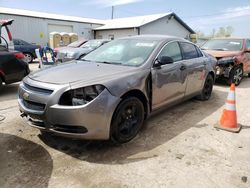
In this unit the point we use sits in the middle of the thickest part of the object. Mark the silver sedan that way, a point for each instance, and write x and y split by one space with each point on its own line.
111 91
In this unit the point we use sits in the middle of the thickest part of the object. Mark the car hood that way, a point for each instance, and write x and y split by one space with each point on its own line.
80 71
219 54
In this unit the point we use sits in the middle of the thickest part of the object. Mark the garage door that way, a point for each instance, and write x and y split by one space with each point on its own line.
60 28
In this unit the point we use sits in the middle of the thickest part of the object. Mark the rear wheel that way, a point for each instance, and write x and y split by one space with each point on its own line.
207 88
127 120
28 57
1 83
236 75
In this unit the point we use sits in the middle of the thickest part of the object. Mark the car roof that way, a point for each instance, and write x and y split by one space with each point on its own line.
156 37
101 40
233 38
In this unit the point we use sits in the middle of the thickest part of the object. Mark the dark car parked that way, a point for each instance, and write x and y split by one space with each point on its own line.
75 44
27 49
68 54
12 65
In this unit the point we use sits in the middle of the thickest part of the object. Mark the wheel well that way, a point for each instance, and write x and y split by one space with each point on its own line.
29 53
213 75
241 64
140 95
2 77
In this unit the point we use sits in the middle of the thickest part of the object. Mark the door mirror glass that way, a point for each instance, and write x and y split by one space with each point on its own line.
163 60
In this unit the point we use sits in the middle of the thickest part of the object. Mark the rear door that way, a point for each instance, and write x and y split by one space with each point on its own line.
195 64
168 81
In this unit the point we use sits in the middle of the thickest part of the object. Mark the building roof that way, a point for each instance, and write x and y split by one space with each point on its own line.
138 21
49 16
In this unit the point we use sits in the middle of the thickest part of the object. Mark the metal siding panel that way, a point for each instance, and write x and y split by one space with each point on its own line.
118 33
29 29
165 26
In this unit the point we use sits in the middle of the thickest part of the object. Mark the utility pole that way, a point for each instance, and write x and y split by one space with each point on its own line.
112 13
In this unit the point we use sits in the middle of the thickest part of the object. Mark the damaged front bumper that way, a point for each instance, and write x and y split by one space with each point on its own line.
223 71
89 121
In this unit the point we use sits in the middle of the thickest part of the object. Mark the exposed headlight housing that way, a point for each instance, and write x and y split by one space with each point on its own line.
227 60
81 96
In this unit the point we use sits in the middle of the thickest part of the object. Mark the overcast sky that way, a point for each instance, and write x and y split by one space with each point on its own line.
203 15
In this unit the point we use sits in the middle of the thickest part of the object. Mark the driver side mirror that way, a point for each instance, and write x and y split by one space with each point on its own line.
163 60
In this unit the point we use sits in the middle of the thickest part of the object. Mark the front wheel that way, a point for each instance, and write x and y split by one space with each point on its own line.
127 120
236 75
207 88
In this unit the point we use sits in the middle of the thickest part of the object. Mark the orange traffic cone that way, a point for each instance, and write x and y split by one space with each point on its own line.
228 120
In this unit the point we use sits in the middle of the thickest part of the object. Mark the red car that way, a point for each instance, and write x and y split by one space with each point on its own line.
12 65
233 55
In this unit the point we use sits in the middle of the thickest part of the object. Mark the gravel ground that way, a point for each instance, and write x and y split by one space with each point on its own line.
176 148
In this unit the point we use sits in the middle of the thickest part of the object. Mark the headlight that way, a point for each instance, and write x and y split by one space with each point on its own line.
80 96
227 60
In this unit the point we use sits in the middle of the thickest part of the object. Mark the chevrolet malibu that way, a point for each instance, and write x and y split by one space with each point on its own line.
111 91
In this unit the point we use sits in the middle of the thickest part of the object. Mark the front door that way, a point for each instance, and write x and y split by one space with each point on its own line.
169 81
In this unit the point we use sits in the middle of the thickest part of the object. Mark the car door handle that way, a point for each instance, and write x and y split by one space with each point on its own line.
183 67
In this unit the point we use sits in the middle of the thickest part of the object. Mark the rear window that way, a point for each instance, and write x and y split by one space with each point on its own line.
189 50
199 52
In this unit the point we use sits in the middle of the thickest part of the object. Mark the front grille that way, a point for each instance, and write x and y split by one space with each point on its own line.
38 90
70 129
33 105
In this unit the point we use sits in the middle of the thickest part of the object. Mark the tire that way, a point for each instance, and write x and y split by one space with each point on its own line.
207 88
1 83
127 120
248 75
28 57
236 75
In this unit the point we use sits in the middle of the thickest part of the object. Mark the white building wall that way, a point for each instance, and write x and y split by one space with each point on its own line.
164 26
117 33
35 30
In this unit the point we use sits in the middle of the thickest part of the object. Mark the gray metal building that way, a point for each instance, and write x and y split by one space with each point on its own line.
35 27
165 24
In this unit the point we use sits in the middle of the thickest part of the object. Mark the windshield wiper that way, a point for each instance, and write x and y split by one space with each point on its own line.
107 62
220 49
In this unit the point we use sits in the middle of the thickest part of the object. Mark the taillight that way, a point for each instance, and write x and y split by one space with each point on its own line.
19 55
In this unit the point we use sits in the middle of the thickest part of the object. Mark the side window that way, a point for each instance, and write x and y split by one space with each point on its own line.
199 52
189 51
248 43
22 42
16 42
172 50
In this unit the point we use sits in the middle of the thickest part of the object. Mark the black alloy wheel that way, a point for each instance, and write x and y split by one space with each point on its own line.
207 88
127 120
236 75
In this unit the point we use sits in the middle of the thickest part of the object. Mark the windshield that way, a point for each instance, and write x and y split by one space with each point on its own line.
91 44
129 52
223 44
75 44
